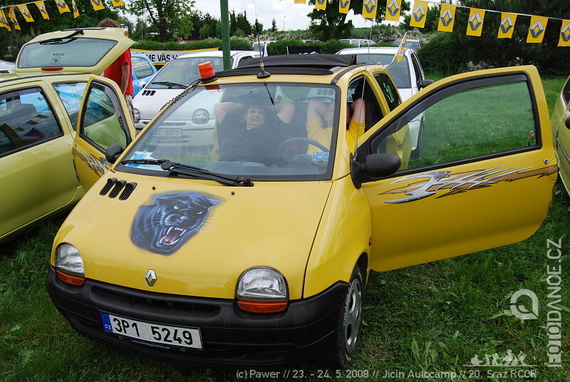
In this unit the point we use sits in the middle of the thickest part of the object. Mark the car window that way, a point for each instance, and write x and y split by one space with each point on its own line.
181 72
26 119
70 94
398 70
142 67
278 131
360 88
389 90
73 53
486 119
102 124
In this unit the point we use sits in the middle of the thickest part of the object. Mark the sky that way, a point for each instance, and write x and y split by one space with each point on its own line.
287 14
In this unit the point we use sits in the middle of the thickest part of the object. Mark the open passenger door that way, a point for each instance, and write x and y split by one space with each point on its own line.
103 120
483 178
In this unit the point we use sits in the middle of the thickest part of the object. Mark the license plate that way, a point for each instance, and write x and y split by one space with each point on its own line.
168 132
156 333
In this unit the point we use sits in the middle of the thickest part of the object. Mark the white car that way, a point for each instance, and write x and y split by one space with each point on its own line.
408 76
171 80
6 67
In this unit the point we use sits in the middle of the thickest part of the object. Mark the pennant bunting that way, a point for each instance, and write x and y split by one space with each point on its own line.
3 20
42 8
300 1
393 8
23 8
475 22
344 6
419 14
75 10
117 3
402 48
12 17
321 5
446 18
536 30
507 26
62 6
369 9
564 34
97 5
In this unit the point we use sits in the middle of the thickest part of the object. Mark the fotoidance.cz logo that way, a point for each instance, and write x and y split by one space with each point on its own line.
526 305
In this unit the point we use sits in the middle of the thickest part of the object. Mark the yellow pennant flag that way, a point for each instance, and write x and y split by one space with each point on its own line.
321 4
97 5
419 14
344 6
537 29
300 2
507 26
75 10
62 6
23 8
12 17
42 8
475 22
446 18
3 20
564 34
402 48
369 9
117 3
393 8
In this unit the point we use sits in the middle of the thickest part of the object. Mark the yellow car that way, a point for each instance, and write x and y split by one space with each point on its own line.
561 131
253 248
39 104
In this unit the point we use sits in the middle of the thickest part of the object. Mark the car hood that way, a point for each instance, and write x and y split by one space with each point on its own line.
234 229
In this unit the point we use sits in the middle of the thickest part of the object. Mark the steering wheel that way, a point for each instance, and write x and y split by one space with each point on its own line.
299 158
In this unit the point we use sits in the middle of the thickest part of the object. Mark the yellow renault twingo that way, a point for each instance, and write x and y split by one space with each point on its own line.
250 245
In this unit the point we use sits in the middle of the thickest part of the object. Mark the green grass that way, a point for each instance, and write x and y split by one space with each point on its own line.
428 318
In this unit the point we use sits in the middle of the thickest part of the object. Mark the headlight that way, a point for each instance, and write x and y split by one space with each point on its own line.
201 117
136 115
69 265
262 290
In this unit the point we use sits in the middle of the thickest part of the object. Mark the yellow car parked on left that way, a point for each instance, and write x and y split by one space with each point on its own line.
40 107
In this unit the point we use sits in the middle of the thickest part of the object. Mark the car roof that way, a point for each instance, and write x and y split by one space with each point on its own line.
372 49
215 53
77 50
306 64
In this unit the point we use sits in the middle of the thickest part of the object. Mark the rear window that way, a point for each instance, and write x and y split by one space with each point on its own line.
83 52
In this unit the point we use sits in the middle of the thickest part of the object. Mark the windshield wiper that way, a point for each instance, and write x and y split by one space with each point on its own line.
193 171
59 40
170 84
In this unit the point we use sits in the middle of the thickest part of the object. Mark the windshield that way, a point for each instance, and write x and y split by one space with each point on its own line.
398 70
181 72
259 131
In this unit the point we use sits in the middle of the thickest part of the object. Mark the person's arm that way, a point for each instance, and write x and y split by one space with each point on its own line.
223 108
125 77
285 111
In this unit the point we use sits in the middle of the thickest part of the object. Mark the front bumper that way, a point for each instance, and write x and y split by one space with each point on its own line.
231 338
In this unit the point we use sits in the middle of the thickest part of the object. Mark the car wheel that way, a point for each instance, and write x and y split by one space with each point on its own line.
349 325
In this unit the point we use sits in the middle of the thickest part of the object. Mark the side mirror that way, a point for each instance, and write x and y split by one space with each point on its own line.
375 166
113 152
424 83
567 122
142 84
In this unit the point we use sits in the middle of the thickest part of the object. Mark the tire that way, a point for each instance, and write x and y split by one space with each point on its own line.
349 325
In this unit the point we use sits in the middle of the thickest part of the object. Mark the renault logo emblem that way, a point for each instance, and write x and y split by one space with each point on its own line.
150 277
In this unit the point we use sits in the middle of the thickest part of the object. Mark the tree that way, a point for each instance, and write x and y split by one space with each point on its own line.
331 24
170 18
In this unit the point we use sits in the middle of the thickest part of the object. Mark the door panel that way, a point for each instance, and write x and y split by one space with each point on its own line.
484 177
103 121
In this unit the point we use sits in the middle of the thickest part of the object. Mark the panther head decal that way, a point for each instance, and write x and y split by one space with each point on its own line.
163 226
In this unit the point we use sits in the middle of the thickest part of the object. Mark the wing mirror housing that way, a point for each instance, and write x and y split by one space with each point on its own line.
113 152
377 165
424 83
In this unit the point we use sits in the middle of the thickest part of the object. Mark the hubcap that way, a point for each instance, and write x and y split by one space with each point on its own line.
353 315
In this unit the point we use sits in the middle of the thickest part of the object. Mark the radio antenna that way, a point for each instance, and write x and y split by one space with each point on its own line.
262 73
